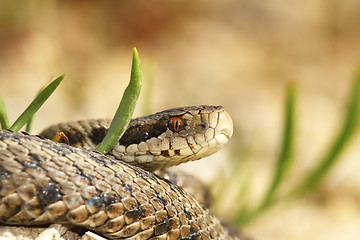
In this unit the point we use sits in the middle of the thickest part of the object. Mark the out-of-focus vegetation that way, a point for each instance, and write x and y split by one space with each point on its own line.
243 212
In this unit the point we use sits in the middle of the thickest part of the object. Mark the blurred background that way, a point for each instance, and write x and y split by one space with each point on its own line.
238 53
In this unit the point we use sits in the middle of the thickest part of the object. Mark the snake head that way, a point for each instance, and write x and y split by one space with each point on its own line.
159 140
174 136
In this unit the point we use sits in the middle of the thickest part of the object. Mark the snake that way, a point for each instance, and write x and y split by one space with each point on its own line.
116 195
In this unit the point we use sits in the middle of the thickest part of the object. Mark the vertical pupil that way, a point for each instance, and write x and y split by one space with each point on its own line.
176 124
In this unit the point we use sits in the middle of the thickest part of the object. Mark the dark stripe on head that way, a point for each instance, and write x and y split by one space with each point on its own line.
136 134
74 136
98 134
142 129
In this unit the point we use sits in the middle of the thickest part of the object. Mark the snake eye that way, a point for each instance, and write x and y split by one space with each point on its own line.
176 124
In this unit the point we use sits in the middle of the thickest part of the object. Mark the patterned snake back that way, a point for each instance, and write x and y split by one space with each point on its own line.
45 182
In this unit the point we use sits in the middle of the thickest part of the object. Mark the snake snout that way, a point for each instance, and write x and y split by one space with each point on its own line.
224 129
219 133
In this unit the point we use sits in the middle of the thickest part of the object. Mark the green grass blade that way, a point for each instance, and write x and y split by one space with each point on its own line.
342 138
126 108
4 120
29 125
36 104
284 161
31 120
283 164
236 179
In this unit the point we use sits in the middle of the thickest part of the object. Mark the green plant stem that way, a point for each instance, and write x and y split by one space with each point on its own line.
4 120
338 144
36 104
126 108
283 163
29 124
285 158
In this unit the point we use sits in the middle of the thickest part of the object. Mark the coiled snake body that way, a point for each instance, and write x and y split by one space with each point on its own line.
43 182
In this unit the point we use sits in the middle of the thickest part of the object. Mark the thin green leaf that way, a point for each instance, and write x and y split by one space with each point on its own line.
31 120
244 215
283 163
287 147
236 181
126 108
4 120
36 104
338 144
29 125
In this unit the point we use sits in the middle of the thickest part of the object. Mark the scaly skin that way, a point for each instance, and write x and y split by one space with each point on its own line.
45 182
